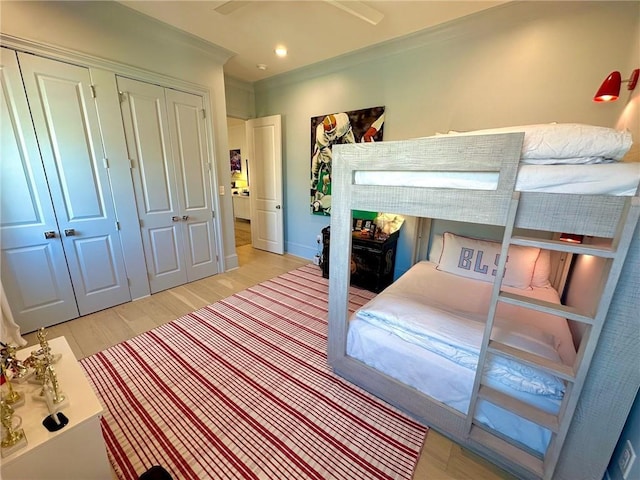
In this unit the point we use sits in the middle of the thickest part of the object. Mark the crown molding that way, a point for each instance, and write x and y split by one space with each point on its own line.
91 61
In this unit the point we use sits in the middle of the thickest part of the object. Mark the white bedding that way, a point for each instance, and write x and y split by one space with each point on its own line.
620 179
434 351
575 143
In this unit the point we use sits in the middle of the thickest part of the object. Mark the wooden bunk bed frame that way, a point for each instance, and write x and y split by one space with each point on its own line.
586 430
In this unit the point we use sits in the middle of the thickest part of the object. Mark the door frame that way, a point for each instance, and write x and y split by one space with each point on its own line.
103 74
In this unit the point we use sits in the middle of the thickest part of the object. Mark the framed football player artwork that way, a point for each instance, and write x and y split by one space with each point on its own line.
327 130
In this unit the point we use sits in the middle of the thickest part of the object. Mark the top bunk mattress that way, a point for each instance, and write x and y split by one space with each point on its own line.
619 179
555 158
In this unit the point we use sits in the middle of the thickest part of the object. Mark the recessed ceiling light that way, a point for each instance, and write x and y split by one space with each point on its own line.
281 51
261 66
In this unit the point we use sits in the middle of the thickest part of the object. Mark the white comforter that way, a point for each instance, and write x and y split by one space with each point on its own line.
458 339
423 286
438 356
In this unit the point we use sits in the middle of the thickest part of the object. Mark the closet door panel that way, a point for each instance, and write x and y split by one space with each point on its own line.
34 271
96 257
189 148
66 125
164 248
145 122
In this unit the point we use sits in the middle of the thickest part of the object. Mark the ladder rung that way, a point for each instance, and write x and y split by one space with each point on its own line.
546 307
545 419
559 246
558 369
495 443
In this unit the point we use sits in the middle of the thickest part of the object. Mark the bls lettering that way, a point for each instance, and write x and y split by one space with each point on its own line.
469 257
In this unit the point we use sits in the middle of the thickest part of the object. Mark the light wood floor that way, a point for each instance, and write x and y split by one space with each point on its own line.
441 459
242 230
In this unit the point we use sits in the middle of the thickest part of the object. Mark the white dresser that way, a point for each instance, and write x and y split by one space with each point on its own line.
242 207
77 451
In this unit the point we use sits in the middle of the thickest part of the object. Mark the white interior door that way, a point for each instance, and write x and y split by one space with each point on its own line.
34 271
144 114
66 124
167 143
265 154
193 182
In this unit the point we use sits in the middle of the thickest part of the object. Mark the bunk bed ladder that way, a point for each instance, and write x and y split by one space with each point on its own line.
543 466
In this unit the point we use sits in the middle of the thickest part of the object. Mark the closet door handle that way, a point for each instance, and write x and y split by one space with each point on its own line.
69 232
175 218
278 207
50 234
185 217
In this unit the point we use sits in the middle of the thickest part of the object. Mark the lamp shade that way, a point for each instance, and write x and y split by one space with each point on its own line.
610 88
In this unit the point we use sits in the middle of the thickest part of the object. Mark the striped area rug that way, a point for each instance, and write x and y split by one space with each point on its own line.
242 389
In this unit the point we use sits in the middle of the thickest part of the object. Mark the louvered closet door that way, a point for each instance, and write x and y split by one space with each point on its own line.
34 270
66 125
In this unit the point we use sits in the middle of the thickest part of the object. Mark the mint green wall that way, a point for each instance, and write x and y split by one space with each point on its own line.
526 62
520 63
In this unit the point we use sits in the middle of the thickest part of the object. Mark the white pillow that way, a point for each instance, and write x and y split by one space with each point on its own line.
478 259
566 142
542 270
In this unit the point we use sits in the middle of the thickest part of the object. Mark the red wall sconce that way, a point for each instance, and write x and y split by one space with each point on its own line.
609 91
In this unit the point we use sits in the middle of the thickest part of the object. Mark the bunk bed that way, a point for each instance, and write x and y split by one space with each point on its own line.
420 333
407 177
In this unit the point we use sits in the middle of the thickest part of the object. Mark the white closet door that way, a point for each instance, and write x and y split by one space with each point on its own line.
166 140
66 125
34 271
146 127
193 182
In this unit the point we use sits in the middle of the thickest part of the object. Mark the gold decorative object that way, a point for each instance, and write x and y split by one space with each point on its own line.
8 363
45 349
38 365
42 361
51 384
12 434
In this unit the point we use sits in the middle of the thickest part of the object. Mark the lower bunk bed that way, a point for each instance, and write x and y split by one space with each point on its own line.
420 333
417 344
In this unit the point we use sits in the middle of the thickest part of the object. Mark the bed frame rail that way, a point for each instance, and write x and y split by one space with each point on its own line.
483 153
594 215
497 154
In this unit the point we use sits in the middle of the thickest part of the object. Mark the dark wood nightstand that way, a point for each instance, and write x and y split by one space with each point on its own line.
372 260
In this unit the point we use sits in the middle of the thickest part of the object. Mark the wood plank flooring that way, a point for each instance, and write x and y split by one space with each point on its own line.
441 459
242 230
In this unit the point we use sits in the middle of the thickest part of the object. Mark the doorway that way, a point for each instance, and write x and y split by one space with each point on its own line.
257 181
242 232
240 189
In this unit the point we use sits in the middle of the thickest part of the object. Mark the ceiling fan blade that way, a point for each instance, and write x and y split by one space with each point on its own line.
225 8
358 9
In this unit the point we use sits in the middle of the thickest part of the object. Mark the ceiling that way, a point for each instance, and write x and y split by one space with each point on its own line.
311 30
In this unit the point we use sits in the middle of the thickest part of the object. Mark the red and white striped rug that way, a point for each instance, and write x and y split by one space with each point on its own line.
242 389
